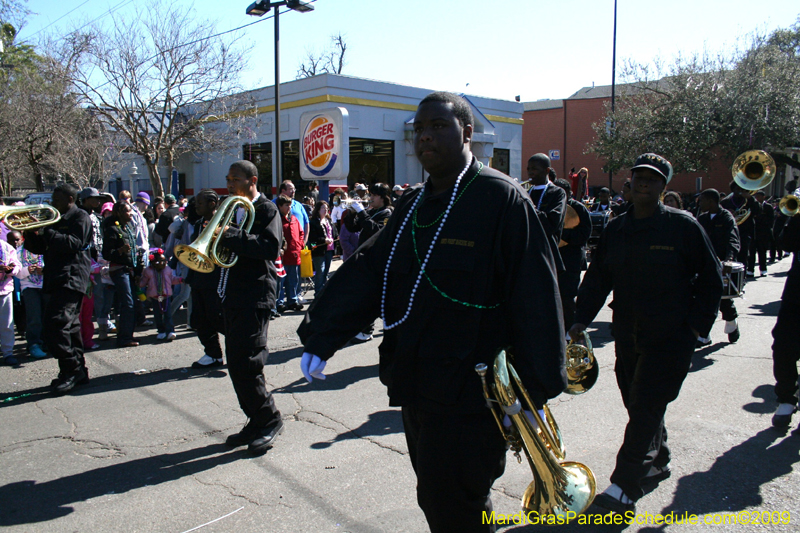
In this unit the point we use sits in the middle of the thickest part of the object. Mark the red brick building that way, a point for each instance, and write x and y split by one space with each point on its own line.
563 130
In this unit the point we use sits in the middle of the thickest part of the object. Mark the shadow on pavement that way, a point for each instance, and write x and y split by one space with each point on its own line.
699 359
379 424
338 381
770 309
734 481
27 502
769 403
109 383
601 334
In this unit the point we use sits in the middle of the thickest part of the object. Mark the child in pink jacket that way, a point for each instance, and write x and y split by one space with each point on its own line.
158 279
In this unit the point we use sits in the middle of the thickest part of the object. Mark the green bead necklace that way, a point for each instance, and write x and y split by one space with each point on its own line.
415 224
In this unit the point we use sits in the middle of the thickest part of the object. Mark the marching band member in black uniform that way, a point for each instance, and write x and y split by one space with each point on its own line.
247 291
740 200
724 236
784 348
550 201
452 287
206 316
65 250
667 287
573 253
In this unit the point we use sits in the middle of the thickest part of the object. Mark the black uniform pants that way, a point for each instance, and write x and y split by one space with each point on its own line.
728 309
745 241
785 352
649 378
206 319
758 248
62 330
246 349
457 458
568 283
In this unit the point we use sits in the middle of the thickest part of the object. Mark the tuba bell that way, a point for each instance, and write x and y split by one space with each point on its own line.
582 368
559 487
28 217
205 253
790 204
753 170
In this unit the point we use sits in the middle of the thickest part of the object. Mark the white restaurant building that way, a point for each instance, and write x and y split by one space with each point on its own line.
380 126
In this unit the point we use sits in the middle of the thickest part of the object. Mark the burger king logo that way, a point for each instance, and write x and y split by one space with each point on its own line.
319 143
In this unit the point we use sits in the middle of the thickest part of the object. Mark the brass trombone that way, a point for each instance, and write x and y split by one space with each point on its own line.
558 487
28 217
205 253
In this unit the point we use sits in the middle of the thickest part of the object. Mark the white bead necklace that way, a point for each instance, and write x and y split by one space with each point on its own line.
387 326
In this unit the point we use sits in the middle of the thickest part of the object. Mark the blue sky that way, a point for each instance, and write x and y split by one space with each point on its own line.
496 49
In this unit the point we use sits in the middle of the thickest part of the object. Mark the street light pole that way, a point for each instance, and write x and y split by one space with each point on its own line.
613 85
258 9
279 148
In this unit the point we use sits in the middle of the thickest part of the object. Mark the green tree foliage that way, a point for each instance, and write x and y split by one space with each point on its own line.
704 106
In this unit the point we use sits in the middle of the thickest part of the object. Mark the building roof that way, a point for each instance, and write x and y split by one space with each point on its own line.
543 104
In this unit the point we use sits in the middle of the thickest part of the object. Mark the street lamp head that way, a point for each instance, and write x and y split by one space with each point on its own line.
258 8
298 5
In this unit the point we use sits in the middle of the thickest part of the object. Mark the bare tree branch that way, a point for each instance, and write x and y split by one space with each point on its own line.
158 79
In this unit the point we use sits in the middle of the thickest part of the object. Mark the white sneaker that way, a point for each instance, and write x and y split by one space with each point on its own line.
171 336
361 337
161 336
731 326
762 273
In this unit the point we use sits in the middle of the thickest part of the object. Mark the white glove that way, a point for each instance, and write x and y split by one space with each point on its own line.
312 366
356 206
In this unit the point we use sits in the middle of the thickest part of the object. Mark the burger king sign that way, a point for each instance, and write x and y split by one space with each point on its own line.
325 144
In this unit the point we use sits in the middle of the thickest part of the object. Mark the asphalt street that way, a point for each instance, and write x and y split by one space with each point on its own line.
141 447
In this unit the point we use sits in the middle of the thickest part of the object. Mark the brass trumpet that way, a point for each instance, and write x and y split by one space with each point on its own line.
28 217
582 367
205 253
558 487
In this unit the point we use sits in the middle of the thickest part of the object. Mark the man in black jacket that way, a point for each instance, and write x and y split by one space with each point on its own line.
572 248
167 217
550 201
739 202
453 286
667 286
206 316
784 347
724 236
65 250
763 236
247 291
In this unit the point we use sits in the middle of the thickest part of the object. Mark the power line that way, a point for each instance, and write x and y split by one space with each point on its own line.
262 19
59 18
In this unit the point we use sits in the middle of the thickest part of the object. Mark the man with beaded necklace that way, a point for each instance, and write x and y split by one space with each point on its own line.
452 289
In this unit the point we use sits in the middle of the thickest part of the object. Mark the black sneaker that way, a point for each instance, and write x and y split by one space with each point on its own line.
703 343
281 309
733 336
297 306
610 503
265 437
248 433
66 384
657 474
